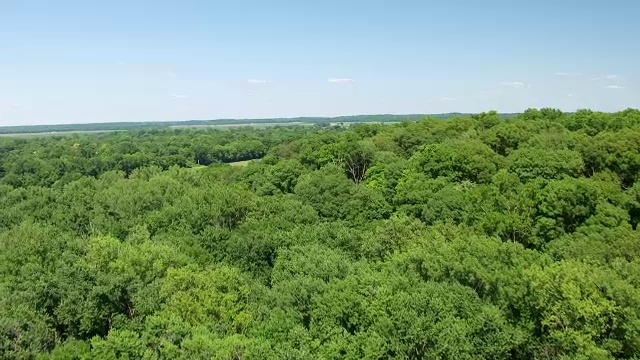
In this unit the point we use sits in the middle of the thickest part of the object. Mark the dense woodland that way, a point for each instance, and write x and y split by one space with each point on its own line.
474 237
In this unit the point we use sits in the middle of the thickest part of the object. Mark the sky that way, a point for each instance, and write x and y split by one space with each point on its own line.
73 61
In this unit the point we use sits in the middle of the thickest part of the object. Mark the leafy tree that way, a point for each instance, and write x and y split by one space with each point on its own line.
458 160
508 136
534 163
356 156
563 205
576 308
335 197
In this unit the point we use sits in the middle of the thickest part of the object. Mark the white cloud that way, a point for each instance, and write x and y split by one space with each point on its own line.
441 99
568 74
514 84
341 81
605 77
570 95
120 62
257 81
179 96
172 75
10 108
618 87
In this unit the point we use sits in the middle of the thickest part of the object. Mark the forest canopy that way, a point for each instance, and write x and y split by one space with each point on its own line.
471 237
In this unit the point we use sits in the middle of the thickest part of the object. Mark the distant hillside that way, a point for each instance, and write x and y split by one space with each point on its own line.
115 126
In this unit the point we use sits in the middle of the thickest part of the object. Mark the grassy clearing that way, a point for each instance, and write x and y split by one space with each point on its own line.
241 163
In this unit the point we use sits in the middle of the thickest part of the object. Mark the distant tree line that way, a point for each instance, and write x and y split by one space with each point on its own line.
119 126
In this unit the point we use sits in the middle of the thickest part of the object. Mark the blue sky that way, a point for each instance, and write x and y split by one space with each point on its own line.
87 61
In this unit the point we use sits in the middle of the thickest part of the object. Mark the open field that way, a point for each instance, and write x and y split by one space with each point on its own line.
219 124
241 163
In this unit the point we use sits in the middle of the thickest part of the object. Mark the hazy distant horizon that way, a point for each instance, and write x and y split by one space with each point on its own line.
237 119
294 117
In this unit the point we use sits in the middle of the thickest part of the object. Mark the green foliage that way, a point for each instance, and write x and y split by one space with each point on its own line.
563 205
459 160
470 237
535 163
508 136
575 308
335 197
356 156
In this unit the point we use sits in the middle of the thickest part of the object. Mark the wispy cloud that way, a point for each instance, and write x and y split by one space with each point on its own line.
172 75
514 84
179 96
10 108
568 74
441 99
605 77
257 81
341 81
617 87
120 62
